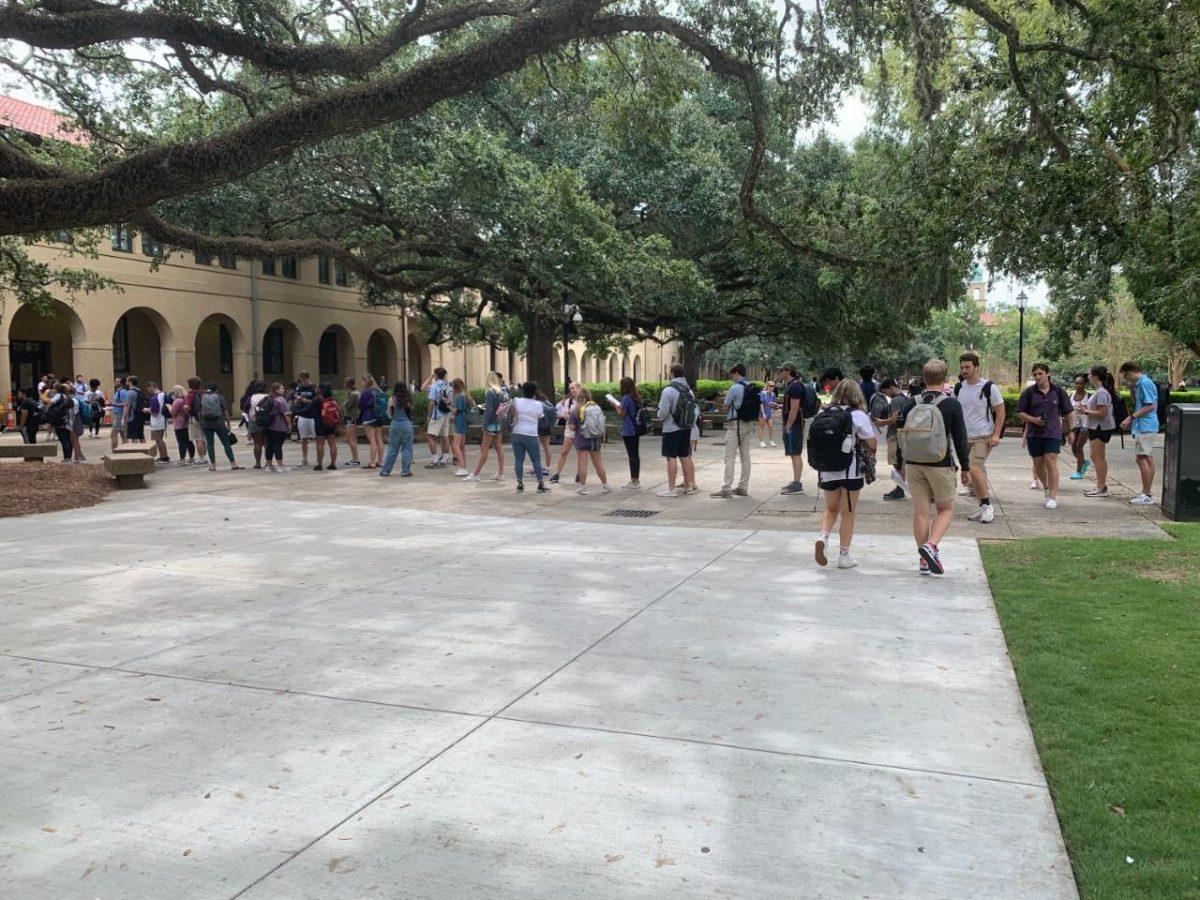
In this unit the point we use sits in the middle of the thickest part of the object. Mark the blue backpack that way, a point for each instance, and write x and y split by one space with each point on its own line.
85 411
381 405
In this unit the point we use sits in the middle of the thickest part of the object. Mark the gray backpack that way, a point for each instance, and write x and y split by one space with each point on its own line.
923 438
593 424
212 411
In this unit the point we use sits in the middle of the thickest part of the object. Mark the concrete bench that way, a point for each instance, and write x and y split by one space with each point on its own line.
29 452
130 468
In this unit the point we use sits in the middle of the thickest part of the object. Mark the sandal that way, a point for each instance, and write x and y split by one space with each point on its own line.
236 468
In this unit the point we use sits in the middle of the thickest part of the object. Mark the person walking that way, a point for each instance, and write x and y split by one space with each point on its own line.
350 421
836 453
492 437
1079 427
179 423
628 409
678 411
60 415
565 410
95 399
440 421
896 400
460 427
327 417
256 392
741 412
302 403
369 406
926 450
767 399
1098 411
214 420
528 412
1044 408
195 393
278 429
983 413
159 407
1142 423
117 427
400 431
589 435
795 402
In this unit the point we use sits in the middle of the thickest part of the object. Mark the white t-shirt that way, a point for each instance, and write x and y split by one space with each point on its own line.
529 411
863 431
159 422
1100 397
976 414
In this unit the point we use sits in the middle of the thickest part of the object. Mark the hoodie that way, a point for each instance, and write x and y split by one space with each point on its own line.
669 401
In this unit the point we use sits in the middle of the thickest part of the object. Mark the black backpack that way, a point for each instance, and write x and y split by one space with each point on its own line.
812 403
56 413
986 394
264 411
1164 400
826 439
751 403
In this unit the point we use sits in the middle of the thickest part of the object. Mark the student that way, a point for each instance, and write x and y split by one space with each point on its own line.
737 437
565 411
350 421
302 405
525 435
831 378
589 417
94 397
1043 407
369 413
766 412
1098 412
437 430
1079 426
195 393
179 423
545 429
136 409
627 409
327 416
843 484
795 399
458 438
867 373
28 415
60 414
492 437
896 401
278 430
983 413
256 392
1142 423
214 419
158 421
400 432
931 480
676 405
117 429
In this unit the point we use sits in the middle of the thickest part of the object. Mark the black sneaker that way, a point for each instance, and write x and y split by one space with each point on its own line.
542 489
318 468
896 493
331 467
794 487
554 479
520 487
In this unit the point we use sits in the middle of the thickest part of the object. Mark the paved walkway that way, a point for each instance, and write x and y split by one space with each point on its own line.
230 693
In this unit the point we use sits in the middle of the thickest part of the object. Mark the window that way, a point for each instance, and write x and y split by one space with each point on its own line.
273 351
288 267
227 260
151 247
121 347
268 266
225 349
203 259
340 276
323 274
327 353
122 238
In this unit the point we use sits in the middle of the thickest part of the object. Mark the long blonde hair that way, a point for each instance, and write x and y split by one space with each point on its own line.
848 393
493 381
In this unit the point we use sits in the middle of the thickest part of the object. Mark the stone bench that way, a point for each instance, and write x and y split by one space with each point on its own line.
29 452
130 468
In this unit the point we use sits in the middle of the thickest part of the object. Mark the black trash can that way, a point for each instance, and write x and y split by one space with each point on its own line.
1181 463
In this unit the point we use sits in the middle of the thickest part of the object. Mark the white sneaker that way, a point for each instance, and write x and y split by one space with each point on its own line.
1096 492
462 473
762 443
845 561
1035 485
987 514
499 478
283 469
1142 499
690 489
667 492
630 486
772 444
473 477
581 491
605 489
1051 503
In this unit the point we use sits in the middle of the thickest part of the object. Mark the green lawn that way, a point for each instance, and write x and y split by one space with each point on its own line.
1105 639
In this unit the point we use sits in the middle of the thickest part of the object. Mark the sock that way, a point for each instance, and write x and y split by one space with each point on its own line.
986 501
843 551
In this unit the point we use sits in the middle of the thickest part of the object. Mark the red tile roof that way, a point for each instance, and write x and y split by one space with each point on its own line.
39 120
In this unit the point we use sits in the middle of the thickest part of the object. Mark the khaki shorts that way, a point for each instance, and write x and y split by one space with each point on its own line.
1143 444
931 483
893 449
440 427
980 450
195 432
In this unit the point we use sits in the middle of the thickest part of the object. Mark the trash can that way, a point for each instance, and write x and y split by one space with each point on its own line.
1181 463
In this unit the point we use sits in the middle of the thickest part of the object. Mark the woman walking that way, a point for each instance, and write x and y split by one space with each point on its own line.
767 399
566 412
458 437
842 488
492 437
279 429
368 403
351 418
1079 427
589 417
1098 411
400 432
179 423
214 420
525 436
627 408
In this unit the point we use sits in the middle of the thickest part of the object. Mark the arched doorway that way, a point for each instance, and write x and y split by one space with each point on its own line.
39 345
612 368
381 356
624 365
573 366
558 369
219 343
587 369
417 360
280 344
637 370
335 356
138 340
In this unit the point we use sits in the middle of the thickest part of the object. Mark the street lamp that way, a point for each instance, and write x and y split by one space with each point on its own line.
1021 301
571 314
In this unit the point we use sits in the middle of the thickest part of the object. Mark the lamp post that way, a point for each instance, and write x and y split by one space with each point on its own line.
1021 301
571 314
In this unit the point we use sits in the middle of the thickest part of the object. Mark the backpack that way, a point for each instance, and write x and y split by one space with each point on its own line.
642 421
812 403
264 411
507 414
923 439
686 409
827 440
194 399
381 411
751 406
443 401
211 409
592 424
331 415
881 406
85 411
1120 410
1164 400
56 413
985 394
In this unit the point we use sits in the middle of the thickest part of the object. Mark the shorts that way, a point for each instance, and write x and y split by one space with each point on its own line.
893 449
1104 435
494 428
323 430
1041 446
677 444
461 429
793 440
350 421
587 444
931 483
135 430
439 427
767 414
545 430
252 427
306 428
850 484
980 450
1143 443
195 432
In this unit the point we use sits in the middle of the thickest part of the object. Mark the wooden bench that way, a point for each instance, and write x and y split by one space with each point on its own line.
29 452
129 466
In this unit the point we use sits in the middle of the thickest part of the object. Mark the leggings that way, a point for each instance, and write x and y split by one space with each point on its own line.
97 418
187 450
223 434
635 459
521 445
275 442
31 433
64 438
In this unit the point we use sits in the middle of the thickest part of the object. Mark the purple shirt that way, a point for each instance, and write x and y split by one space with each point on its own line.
1053 405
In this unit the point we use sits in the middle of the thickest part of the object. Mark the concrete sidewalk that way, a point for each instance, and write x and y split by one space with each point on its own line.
233 695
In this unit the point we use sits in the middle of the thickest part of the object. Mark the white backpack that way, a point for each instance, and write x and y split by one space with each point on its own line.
593 425
923 438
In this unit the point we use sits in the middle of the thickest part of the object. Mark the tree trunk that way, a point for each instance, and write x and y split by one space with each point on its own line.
691 359
539 351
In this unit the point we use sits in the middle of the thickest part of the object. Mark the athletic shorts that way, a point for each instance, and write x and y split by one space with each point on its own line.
1143 444
1041 446
306 428
793 440
931 483
677 444
850 484
1104 435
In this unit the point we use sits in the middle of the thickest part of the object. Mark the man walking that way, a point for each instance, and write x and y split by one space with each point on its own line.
794 396
885 424
924 449
678 411
1042 408
739 402
303 409
983 412
1142 423
441 416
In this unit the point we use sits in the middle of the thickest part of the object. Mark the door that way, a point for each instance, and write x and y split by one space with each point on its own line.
29 360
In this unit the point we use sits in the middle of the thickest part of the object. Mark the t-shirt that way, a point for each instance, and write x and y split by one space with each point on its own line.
158 420
733 399
303 399
279 420
1145 392
32 410
1100 397
528 413
1078 419
1053 405
435 392
460 414
766 401
863 431
977 409
668 403
793 395
628 416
